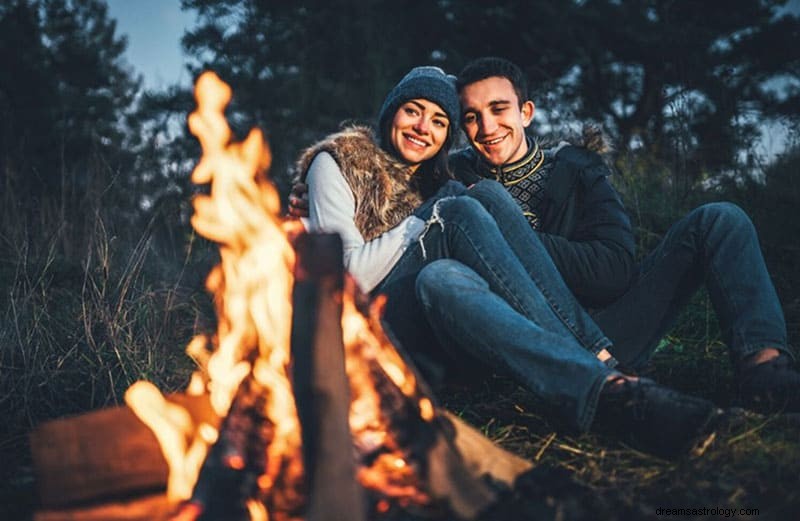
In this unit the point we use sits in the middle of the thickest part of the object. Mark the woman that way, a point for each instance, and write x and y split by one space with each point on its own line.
397 213
367 191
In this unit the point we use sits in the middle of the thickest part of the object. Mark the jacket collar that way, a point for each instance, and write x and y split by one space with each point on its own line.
516 169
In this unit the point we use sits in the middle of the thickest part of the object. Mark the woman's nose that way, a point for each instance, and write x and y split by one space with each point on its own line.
422 126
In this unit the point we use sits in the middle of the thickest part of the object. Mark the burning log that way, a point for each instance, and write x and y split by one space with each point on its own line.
154 507
320 383
342 427
482 457
102 454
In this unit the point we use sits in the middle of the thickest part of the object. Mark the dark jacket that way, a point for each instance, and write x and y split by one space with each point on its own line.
584 225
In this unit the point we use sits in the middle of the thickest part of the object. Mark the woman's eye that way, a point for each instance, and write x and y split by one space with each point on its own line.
439 123
411 111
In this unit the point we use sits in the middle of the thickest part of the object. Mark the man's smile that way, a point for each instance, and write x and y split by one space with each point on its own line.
494 141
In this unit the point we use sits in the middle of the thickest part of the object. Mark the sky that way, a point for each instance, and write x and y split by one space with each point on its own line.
154 29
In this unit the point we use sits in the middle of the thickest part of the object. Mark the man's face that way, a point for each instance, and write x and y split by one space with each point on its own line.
494 121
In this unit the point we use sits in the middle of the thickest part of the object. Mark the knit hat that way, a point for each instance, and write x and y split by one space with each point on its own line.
428 82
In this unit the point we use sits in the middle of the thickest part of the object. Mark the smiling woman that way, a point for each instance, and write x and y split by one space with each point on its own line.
367 191
418 131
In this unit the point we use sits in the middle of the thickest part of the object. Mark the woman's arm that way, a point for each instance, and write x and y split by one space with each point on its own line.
332 209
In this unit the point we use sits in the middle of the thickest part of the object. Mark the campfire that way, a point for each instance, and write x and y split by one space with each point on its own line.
301 407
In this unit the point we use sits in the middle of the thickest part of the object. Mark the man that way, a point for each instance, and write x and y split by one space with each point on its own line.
580 221
583 248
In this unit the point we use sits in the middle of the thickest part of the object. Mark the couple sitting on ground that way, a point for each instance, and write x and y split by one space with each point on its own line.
525 264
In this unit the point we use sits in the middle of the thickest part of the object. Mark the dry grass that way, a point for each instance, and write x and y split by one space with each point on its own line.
85 310
754 465
83 314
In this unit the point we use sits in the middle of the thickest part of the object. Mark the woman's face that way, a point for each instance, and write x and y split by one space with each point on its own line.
419 130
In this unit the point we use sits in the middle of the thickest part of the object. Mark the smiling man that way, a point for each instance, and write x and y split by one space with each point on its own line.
563 191
494 119
581 224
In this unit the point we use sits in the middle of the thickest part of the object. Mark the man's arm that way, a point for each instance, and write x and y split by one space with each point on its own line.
298 200
595 254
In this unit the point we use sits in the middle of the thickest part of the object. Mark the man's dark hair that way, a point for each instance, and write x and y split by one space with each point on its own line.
490 66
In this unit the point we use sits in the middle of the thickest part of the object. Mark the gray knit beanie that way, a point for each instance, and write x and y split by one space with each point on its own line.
428 82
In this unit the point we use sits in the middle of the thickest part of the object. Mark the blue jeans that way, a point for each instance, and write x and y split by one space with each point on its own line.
489 301
715 244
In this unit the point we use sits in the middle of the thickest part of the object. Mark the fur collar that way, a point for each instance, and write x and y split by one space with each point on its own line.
385 192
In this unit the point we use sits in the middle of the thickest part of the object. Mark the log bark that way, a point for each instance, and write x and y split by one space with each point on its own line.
482 456
321 388
144 508
102 454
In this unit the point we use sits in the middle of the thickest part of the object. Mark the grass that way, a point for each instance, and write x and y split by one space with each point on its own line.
85 313
754 466
82 316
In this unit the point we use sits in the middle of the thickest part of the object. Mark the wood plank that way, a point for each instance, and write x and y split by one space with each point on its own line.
484 457
322 390
102 454
147 508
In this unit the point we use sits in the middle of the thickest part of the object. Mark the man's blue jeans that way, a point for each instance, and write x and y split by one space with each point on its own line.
715 244
498 298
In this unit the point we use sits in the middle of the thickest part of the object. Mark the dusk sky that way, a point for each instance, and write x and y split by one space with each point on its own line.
154 29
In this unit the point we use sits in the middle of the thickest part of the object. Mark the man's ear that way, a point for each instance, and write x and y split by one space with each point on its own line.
528 109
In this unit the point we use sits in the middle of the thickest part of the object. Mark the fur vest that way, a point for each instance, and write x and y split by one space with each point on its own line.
382 186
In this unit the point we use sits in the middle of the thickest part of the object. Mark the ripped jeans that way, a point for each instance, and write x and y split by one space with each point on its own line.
486 297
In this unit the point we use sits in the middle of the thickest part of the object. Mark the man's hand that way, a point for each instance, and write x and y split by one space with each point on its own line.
298 200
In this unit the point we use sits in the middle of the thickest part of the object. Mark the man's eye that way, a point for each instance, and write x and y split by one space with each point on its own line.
469 118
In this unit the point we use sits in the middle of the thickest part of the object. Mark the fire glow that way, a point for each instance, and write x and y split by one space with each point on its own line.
252 288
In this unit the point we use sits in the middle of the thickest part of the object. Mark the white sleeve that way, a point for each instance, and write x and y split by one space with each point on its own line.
332 209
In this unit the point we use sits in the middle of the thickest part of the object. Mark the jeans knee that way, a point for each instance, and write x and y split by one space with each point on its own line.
462 210
490 186
729 216
437 281
489 192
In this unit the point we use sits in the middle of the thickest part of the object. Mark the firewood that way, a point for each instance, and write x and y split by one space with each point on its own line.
102 454
482 456
320 383
145 508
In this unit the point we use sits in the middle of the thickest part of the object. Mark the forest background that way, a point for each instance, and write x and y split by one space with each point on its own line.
102 276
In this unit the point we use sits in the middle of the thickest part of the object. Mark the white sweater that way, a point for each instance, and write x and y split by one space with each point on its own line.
332 209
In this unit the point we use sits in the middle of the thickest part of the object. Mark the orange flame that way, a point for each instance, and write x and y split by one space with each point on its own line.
367 350
252 288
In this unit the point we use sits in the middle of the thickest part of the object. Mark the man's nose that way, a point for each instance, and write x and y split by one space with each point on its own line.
487 125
